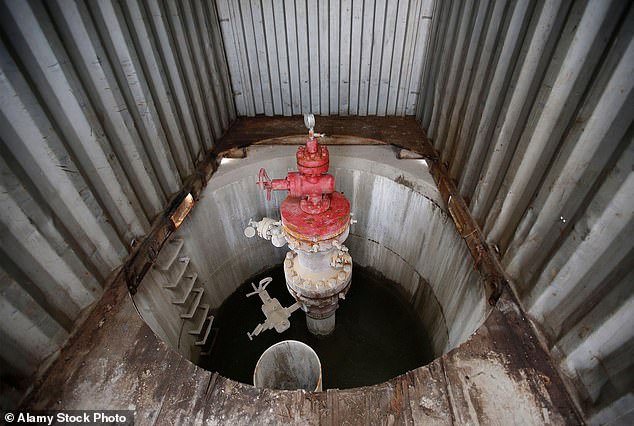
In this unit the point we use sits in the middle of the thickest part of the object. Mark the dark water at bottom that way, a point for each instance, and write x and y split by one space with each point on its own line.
378 335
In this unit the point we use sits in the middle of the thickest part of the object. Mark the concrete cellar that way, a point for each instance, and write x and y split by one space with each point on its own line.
447 226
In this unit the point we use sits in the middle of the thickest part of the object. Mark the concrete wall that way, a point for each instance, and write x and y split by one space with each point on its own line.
401 232
530 104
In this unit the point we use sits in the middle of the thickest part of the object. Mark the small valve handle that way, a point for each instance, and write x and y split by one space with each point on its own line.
265 282
264 182
261 286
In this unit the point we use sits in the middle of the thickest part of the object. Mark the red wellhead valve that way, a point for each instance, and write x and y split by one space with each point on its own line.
315 222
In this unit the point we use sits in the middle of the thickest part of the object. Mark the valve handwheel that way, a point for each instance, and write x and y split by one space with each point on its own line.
264 182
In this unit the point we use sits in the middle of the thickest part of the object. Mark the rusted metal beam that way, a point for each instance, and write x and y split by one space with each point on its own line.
485 259
144 255
403 132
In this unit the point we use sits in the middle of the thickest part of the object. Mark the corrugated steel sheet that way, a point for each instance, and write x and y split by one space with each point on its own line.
340 57
531 105
104 108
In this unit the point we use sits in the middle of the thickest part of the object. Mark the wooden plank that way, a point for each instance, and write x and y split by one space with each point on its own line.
427 395
350 408
402 131
388 404
503 374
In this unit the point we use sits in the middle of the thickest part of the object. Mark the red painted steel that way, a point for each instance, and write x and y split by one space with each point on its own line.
313 210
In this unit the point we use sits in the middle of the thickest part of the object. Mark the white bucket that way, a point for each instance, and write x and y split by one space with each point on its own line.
288 365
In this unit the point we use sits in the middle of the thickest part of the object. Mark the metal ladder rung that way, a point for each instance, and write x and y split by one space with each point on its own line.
199 329
202 342
188 289
192 309
211 345
182 267
168 254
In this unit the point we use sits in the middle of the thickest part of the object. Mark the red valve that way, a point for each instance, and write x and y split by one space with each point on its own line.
264 182
313 208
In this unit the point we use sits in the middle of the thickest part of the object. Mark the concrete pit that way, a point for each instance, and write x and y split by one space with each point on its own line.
403 238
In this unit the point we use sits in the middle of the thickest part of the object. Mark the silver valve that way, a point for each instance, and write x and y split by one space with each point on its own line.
309 122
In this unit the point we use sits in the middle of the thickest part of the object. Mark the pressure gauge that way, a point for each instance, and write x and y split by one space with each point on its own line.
309 121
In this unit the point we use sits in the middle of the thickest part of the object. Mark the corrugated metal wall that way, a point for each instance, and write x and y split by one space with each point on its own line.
339 57
531 105
104 108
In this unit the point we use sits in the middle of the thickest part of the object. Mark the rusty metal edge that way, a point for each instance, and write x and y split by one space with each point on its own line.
144 255
485 260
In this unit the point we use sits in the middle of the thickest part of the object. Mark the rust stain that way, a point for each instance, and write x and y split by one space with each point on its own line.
144 255
403 181
483 256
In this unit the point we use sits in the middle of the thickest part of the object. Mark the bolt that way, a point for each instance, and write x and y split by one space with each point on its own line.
347 268
341 276
332 282
288 263
289 255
